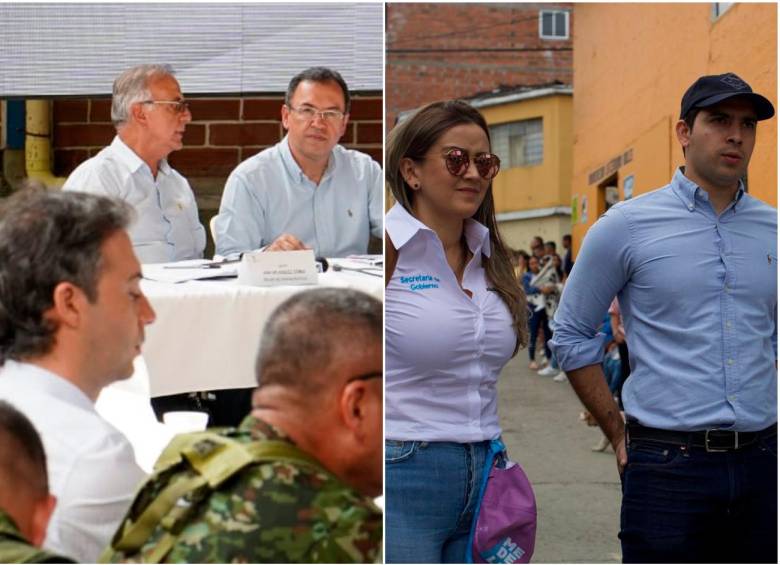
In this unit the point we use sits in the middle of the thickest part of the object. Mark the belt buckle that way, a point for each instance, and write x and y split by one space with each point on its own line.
715 449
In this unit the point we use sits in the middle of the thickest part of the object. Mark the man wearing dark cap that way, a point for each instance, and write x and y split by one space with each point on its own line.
694 267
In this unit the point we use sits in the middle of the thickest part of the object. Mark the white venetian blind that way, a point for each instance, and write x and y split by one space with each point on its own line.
78 49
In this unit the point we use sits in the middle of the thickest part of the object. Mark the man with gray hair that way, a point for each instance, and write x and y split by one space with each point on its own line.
25 502
293 483
150 116
72 319
306 191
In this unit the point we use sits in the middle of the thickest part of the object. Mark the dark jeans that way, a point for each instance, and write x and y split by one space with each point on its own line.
689 506
225 407
539 320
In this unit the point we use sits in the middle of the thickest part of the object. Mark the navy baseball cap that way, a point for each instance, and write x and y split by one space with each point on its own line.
711 89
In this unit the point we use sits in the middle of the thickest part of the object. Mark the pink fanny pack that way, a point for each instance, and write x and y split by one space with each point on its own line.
504 527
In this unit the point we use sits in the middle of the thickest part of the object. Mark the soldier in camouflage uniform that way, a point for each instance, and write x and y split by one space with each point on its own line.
320 399
25 502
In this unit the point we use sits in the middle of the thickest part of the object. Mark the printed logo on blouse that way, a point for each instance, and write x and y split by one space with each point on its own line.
420 282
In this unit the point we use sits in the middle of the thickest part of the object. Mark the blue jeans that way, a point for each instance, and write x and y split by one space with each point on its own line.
689 506
431 492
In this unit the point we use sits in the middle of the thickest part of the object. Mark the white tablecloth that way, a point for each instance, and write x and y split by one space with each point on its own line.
205 337
206 333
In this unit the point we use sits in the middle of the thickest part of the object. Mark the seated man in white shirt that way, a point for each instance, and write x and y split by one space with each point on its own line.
72 319
306 191
150 116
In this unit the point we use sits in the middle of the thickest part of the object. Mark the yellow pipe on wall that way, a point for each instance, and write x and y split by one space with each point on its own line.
37 144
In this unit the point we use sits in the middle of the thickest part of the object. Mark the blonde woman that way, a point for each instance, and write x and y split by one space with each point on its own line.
455 315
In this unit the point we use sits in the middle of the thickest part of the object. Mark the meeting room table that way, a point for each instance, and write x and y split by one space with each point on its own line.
205 337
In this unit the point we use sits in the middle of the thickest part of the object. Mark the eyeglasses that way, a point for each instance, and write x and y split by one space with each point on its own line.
458 160
179 106
308 114
366 377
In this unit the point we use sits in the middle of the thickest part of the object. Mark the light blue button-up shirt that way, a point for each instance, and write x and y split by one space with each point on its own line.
269 195
698 296
166 227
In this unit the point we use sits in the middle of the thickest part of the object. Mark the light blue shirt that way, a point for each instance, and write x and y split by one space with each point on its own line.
166 227
698 296
268 195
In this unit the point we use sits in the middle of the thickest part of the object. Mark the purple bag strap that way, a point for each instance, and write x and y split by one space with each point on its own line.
496 447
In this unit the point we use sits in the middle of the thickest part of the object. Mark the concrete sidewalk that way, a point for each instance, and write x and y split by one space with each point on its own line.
577 490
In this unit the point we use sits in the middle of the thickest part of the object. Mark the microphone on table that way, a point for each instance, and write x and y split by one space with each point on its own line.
322 264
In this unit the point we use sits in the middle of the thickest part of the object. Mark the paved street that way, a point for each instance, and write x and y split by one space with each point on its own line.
577 490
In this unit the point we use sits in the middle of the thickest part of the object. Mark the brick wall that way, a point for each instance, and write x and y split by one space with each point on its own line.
431 51
223 132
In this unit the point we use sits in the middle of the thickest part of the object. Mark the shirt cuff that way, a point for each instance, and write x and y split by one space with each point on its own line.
578 355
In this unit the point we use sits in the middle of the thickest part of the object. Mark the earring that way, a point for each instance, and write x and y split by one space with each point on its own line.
416 186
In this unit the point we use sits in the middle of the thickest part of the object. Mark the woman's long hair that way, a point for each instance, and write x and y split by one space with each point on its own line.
412 139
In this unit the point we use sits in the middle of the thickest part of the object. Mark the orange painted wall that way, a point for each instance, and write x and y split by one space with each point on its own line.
632 64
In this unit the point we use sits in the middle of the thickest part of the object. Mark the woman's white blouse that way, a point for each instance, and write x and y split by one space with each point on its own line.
444 350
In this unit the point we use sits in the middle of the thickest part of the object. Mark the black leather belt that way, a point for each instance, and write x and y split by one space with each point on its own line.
711 440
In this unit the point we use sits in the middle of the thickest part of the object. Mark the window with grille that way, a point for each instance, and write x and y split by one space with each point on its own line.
554 24
518 144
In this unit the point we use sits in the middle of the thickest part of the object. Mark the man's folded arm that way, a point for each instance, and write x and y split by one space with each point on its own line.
600 272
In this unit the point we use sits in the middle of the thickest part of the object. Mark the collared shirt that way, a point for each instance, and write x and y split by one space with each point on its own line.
166 227
444 350
92 467
269 195
698 296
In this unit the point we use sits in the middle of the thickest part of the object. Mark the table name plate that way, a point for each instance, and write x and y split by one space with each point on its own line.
275 268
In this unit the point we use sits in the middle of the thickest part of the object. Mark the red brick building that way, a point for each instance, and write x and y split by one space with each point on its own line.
437 51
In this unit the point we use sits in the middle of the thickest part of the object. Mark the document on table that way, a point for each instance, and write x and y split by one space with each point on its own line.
183 271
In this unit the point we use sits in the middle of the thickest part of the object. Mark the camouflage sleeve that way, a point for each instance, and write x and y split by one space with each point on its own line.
282 513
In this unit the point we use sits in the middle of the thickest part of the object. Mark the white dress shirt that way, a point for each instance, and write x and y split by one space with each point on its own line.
444 350
92 468
268 195
166 227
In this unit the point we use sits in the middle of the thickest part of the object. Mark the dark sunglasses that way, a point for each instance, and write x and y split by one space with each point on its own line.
457 161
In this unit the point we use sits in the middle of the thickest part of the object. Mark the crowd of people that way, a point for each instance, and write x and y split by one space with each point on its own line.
543 274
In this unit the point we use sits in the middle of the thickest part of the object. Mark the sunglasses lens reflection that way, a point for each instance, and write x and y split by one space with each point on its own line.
487 166
457 162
